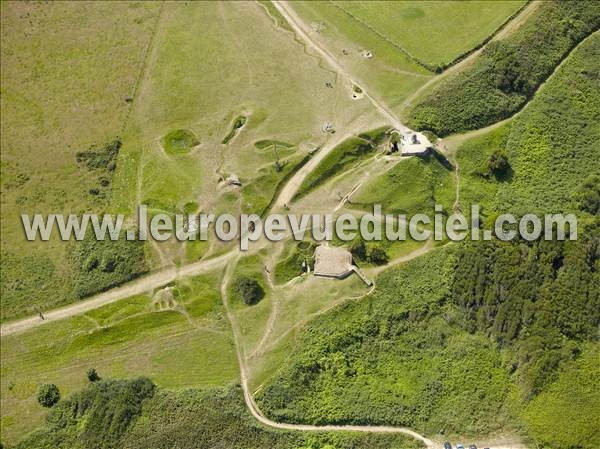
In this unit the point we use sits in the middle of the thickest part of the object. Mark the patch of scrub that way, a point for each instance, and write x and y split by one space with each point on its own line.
237 124
179 141
268 143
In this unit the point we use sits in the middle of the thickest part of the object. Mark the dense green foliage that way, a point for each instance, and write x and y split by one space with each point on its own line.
554 145
539 298
131 415
101 264
249 290
493 323
195 419
96 417
552 148
48 395
508 72
179 141
93 375
362 357
565 415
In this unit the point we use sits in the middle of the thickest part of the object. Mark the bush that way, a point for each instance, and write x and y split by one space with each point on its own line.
497 163
378 256
359 250
48 395
92 375
249 290
102 264
587 197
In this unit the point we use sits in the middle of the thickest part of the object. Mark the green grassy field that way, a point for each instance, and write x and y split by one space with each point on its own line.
474 340
390 74
65 84
435 32
176 337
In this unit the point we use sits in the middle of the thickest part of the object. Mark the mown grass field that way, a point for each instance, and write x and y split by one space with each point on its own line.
179 339
435 32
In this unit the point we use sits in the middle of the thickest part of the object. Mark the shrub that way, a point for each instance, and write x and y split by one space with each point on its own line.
359 250
497 163
587 197
92 375
249 290
378 256
48 395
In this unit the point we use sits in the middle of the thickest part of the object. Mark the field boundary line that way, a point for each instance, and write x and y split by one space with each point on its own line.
143 67
435 68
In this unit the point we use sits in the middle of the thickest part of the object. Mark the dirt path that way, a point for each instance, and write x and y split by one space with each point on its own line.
136 287
258 414
303 33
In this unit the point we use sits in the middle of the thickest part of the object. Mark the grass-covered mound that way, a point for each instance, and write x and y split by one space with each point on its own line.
508 72
260 193
413 185
179 141
342 157
291 266
237 124
268 143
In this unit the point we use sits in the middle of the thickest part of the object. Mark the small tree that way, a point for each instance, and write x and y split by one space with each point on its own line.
358 250
92 375
498 163
378 256
250 290
48 395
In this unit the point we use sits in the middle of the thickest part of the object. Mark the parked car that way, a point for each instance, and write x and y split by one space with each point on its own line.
459 446
472 446
447 445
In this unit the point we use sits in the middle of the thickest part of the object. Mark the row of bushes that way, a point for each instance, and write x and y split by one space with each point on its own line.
508 72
